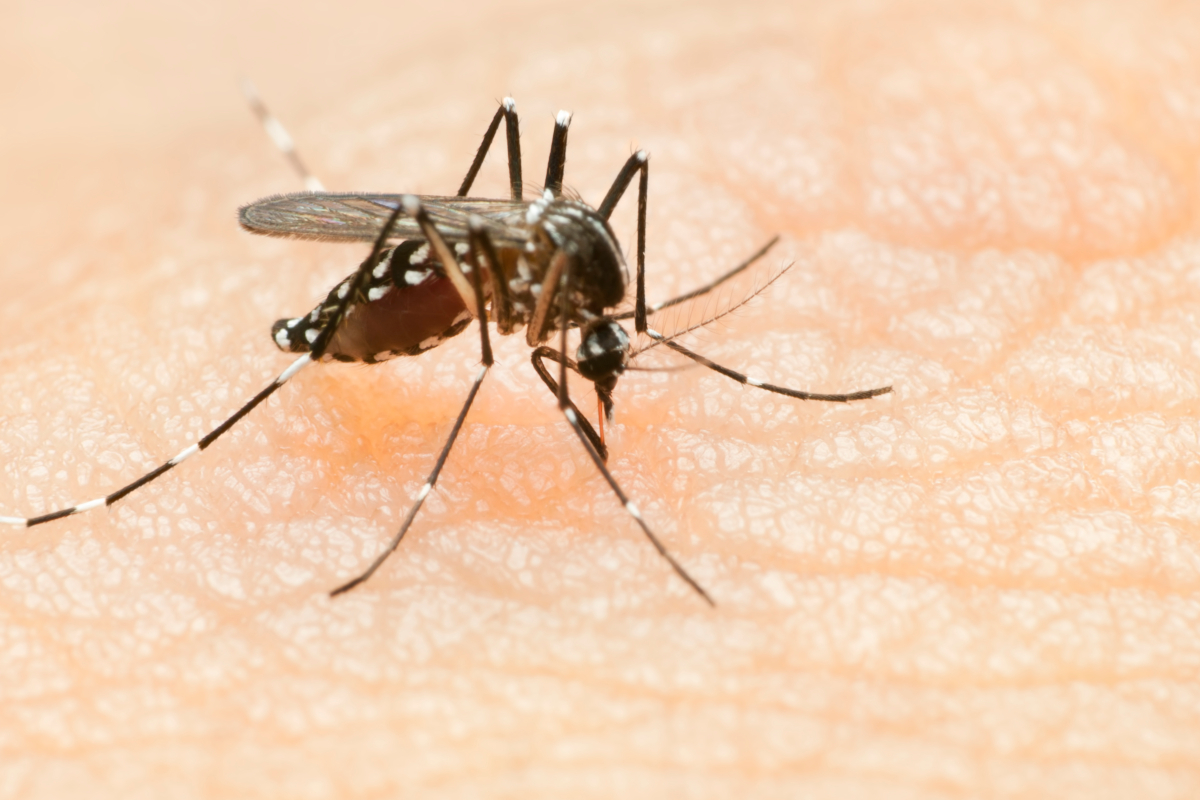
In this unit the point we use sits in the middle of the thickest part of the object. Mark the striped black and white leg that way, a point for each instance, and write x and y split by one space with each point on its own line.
508 112
538 357
865 394
708 287
639 163
279 135
185 454
576 421
486 350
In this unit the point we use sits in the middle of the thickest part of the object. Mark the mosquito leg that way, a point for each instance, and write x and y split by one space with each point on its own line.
412 206
185 454
430 482
553 355
573 417
746 379
558 154
320 343
279 135
708 287
486 349
638 162
507 112
482 247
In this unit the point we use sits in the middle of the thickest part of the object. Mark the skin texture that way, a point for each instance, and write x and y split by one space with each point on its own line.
983 585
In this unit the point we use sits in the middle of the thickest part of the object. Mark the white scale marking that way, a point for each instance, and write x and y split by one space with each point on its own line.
279 135
412 277
311 335
633 510
421 495
186 453
420 254
88 506
384 355
563 119
754 382
343 290
297 365
378 292
381 268
291 323
282 339
13 521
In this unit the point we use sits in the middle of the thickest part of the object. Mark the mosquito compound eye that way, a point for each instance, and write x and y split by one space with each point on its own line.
603 351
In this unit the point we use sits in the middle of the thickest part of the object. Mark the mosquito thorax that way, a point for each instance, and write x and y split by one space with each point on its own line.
598 273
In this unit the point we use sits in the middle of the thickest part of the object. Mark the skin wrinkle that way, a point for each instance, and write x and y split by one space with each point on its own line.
982 585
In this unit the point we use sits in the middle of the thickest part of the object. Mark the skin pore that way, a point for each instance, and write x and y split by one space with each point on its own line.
983 584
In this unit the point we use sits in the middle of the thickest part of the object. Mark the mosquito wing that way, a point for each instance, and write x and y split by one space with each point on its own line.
360 217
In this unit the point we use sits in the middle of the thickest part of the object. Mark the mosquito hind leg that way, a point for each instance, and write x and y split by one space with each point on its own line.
507 112
167 466
279 136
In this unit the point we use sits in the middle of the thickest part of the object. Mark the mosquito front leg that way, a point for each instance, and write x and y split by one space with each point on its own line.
747 380
568 409
708 287
543 353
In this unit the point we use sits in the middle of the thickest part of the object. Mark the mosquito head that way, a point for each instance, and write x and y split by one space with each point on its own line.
602 355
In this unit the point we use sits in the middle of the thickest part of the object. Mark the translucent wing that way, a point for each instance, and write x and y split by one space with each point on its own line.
360 217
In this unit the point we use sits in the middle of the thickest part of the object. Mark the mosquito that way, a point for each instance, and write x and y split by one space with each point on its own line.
437 263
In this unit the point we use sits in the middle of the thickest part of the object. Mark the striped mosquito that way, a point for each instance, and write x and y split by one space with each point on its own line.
438 262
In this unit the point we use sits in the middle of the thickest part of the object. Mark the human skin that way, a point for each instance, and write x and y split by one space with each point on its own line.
982 585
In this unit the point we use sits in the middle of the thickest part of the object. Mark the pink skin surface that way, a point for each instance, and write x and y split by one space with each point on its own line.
983 585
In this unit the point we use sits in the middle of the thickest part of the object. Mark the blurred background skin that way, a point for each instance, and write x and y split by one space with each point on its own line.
983 585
